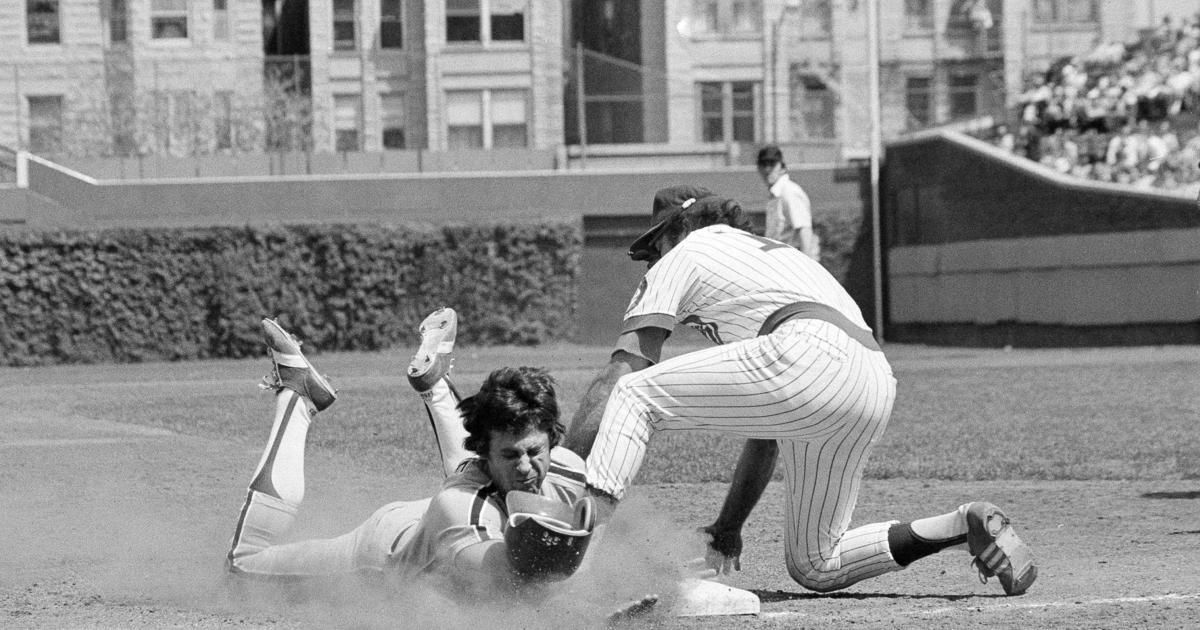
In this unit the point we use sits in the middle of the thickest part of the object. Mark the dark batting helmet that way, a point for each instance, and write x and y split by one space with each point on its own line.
547 538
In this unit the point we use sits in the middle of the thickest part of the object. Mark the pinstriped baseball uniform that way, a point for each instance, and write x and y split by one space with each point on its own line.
814 380
405 538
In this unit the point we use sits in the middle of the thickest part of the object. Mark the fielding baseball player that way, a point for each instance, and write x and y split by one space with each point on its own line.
796 371
507 514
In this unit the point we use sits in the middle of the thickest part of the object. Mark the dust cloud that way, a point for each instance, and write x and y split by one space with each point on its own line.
139 534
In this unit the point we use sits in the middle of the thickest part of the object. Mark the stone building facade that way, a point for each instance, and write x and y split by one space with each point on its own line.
197 77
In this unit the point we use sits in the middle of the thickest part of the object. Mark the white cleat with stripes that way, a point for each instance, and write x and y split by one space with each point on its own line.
292 370
435 357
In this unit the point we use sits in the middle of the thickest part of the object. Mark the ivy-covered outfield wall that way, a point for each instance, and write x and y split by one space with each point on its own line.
126 295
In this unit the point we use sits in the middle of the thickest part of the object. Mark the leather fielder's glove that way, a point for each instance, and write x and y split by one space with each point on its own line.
547 538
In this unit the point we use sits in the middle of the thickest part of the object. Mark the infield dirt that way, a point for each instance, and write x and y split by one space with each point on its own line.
106 524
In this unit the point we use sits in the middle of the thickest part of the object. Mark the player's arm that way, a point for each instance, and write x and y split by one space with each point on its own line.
750 479
486 564
636 350
487 571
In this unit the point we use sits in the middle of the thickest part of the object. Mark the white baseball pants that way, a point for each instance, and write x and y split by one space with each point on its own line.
823 396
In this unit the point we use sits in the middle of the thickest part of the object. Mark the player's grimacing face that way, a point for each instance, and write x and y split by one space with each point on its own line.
519 461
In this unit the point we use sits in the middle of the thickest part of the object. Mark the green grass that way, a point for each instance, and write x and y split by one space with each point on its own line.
960 414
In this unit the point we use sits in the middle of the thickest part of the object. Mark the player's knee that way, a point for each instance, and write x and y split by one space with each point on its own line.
816 579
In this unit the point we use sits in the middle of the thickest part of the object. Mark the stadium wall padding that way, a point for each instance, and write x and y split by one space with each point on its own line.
985 248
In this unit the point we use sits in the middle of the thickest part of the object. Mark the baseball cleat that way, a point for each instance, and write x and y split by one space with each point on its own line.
434 358
292 370
997 550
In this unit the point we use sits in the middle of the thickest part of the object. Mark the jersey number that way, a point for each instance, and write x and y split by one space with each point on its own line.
767 244
708 329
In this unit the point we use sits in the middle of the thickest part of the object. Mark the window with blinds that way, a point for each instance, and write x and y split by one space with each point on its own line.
169 19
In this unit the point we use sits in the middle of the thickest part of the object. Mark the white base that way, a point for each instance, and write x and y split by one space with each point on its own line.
707 598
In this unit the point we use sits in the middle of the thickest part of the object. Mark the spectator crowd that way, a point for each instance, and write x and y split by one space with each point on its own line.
1122 113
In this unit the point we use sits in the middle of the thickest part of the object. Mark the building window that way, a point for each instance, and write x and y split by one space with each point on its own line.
742 111
747 16
487 119
462 21
728 111
712 112
173 122
962 92
1043 10
118 21
817 106
347 119
345 35
918 15
393 117
45 124
505 21
221 20
169 19
706 16
726 17
224 122
509 119
1066 11
391 24
1079 11
816 18
464 120
918 100
41 21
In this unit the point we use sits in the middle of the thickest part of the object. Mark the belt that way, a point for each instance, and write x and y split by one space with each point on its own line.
816 310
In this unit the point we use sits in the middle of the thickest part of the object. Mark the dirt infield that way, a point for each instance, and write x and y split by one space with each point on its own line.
107 524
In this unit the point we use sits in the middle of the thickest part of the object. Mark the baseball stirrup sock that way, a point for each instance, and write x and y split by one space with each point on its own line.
943 526
907 546
441 403
280 472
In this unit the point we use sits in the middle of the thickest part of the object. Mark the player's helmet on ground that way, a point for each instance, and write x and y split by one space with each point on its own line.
668 203
547 538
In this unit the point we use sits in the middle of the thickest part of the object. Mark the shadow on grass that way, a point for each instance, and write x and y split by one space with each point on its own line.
783 596
1181 494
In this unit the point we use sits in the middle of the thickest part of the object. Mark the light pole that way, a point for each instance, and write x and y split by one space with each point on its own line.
876 146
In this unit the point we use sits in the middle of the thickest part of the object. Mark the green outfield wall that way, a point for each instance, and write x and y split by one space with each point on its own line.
985 248
612 207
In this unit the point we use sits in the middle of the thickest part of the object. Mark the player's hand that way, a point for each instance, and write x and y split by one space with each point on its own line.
724 553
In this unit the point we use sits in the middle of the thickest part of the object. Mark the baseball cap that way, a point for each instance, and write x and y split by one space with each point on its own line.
769 155
667 203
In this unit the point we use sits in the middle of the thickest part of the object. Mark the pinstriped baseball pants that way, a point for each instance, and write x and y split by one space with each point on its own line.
824 397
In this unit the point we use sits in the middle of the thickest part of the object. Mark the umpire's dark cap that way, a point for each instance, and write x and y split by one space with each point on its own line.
769 155
667 203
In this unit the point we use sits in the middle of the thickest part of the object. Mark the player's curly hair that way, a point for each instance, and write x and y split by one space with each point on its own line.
706 211
511 400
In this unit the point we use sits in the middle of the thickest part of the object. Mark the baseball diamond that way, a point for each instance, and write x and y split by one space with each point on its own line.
158 464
